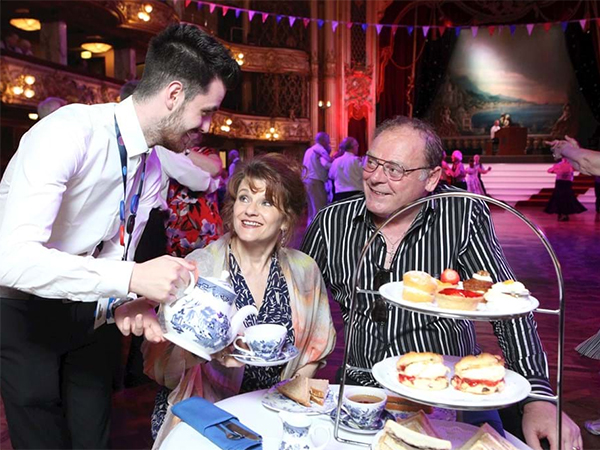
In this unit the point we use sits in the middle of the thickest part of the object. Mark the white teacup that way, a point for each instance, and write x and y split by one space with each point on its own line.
364 404
303 432
264 341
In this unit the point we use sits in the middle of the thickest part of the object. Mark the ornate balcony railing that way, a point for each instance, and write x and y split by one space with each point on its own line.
50 80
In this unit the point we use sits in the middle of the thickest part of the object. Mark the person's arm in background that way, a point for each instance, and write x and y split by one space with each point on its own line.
209 162
181 168
583 160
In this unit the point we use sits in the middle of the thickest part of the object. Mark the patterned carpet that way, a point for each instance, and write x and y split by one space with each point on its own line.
577 245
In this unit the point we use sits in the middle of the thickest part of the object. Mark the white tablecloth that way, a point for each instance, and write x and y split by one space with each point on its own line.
249 410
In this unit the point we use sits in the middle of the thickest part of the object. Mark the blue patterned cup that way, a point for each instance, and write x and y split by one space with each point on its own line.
264 341
364 404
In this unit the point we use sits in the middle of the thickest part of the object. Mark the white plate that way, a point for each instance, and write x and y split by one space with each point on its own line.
288 353
515 307
458 433
276 401
516 389
347 424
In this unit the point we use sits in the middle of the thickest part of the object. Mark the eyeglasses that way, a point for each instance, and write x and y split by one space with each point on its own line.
393 171
379 313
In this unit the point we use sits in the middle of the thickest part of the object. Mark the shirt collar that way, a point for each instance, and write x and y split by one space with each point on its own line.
364 216
131 131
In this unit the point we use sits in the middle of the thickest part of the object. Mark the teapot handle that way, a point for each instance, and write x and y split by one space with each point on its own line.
238 319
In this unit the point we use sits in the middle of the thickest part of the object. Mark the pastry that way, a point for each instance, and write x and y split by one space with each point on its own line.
482 374
454 298
424 371
480 282
419 287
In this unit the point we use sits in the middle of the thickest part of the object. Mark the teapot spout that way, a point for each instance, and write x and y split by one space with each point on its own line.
238 319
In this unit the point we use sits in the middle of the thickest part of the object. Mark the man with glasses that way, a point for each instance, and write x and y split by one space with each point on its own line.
402 165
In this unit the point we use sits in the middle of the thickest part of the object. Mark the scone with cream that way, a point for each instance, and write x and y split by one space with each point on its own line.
419 287
424 371
482 374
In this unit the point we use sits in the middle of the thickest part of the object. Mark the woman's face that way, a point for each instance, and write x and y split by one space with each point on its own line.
255 219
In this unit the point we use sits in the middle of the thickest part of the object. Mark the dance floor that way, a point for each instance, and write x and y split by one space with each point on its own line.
577 245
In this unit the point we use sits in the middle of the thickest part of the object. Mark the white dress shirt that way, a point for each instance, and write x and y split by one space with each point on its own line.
59 198
181 168
317 162
346 172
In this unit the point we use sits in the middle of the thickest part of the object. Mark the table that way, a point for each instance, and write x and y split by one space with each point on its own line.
250 411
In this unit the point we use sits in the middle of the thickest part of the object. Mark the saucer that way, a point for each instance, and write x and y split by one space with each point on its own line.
288 353
346 423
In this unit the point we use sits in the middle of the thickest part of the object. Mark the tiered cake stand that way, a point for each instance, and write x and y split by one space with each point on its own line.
450 401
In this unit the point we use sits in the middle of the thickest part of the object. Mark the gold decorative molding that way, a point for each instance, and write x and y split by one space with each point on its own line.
358 98
271 60
256 127
51 82
127 11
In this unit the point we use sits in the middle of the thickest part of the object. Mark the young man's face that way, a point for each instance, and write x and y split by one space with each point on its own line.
193 115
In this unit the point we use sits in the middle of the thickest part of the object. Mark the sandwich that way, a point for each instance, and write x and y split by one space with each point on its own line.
399 404
296 389
418 287
303 390
487 438
482 374
398 437
318 390
421 424
424 371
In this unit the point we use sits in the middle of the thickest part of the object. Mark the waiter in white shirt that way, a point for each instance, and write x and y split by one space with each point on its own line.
68 206
346 170
317 163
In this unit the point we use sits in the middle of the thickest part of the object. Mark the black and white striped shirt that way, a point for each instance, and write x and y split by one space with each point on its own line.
451 232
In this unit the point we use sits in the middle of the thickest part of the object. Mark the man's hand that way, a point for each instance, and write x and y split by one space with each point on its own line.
161 279
139 317
539 421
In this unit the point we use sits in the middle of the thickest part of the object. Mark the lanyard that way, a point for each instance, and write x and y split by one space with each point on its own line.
135 200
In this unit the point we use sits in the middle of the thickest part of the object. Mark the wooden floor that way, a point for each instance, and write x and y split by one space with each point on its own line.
577 245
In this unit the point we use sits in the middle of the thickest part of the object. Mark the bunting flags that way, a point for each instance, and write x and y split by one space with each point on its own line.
529 27
379 27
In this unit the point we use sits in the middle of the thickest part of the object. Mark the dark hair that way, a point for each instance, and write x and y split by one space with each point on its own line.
185 53
434 149
348 143
284 187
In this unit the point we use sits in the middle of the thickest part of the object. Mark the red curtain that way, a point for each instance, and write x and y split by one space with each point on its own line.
395 69
358 130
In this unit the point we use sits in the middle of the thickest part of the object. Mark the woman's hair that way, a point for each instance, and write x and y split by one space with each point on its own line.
284 188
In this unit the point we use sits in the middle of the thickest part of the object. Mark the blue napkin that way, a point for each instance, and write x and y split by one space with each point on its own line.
202 416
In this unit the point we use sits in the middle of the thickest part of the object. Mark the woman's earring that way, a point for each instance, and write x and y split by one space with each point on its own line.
283 237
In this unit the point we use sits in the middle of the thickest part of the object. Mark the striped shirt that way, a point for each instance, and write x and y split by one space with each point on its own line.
453 233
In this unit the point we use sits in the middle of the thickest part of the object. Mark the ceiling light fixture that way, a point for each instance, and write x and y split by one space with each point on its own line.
26 23
96 47
86 54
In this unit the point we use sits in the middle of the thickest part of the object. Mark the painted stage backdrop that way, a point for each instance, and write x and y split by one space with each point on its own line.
530 78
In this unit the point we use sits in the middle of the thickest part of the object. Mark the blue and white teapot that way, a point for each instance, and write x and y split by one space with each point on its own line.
204 320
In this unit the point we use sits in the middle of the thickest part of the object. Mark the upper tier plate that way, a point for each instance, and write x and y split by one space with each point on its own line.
515 307
517 388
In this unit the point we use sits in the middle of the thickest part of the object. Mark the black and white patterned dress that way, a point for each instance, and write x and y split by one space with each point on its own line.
275 309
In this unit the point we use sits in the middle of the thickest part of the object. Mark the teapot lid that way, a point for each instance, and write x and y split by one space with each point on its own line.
224 281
